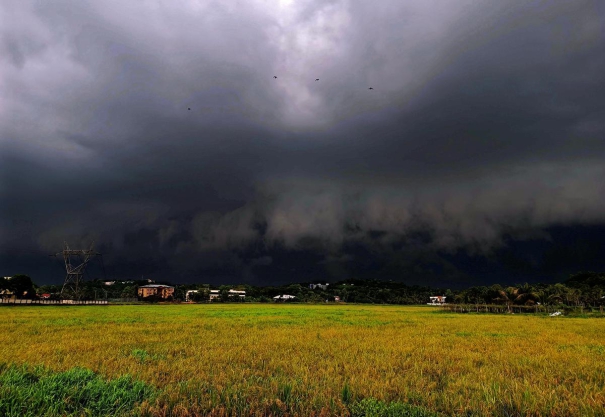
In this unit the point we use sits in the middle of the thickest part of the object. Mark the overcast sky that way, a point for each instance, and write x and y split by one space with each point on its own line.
484 131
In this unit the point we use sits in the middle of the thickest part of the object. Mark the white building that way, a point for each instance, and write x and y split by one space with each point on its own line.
437 300
231 293
235 293
284 297
187 294
322 286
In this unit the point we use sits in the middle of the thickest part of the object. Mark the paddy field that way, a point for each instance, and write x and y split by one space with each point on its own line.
304 360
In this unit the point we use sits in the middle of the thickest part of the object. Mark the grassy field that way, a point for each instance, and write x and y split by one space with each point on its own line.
302 360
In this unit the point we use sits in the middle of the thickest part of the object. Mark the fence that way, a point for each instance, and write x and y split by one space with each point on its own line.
487 308
123 300
18 301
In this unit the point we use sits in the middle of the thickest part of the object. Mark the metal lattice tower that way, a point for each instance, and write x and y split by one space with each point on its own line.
72 288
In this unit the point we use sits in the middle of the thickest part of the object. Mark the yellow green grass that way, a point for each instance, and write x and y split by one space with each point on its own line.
321 360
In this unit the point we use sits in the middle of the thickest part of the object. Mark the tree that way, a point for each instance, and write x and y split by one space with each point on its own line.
4 286
476 295
129 291
508 296
586 279
224 293
21 285
202 294
555 294
179 292
527 295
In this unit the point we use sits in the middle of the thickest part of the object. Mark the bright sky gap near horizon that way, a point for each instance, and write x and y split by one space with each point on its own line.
477 157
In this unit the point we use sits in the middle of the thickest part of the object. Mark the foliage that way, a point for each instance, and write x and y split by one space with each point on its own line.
129 291
202 295
20 285
370 407
587 280
584 289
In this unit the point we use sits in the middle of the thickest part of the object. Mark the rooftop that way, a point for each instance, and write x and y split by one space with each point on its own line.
156 286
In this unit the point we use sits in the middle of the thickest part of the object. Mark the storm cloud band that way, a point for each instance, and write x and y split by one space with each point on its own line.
159 131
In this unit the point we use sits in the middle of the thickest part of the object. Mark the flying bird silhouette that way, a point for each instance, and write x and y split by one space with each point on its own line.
370 88
188 108
317 79
275 76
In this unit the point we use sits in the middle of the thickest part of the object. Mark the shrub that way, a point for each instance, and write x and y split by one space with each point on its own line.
370 407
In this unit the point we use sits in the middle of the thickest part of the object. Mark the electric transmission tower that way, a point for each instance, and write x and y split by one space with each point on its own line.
72 287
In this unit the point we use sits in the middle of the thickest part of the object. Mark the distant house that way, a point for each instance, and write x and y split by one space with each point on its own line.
156 290
235 293
284 297
322 286
121 282
336 299
437 300
214 294
45 296
7 293
188 293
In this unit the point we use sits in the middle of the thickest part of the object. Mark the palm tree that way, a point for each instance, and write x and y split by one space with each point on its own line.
573 295
508 296
527 295
523 295
555 294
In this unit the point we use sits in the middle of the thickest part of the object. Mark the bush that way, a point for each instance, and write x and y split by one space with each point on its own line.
370 407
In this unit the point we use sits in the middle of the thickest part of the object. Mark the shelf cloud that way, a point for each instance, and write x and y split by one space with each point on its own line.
160 132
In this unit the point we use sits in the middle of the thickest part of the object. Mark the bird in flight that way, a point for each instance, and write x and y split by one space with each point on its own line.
275 76
188 108
317 79
370 88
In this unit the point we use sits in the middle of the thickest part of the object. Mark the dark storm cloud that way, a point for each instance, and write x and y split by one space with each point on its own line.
485 121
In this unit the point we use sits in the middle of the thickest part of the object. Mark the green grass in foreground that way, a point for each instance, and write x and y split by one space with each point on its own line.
370 407
26 391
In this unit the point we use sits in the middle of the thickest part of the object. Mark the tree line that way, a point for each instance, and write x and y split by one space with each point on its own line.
581 289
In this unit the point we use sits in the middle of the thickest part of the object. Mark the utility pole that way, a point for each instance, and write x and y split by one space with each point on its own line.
72 286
